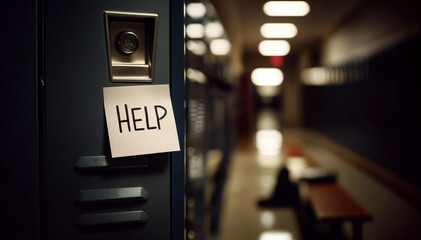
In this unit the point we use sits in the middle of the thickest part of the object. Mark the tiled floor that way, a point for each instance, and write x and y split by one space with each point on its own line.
241 218
251 177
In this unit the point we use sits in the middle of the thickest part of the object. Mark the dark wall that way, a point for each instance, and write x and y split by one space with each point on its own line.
376 112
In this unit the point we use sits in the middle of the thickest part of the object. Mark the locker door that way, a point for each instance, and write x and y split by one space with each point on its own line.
88 194
19 165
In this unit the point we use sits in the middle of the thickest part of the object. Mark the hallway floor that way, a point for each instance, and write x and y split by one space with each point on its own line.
252 175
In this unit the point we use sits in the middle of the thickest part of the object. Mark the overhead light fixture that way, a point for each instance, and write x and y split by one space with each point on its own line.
220 47
274 47
197 47
286 8
267 77
195 30
196 10
214 30
278 30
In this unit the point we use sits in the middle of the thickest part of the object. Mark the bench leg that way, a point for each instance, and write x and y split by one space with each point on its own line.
357 230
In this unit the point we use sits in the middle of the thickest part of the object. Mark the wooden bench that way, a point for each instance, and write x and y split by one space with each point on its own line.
331 203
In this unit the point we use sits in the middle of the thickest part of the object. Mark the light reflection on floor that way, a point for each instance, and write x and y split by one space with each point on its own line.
266 184
275 235
267 219
252 176
269 142
271 161
296 166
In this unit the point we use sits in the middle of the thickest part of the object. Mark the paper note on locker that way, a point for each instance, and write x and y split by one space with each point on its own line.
140 120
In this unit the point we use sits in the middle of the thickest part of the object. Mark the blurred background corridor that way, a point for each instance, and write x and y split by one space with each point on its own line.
331 110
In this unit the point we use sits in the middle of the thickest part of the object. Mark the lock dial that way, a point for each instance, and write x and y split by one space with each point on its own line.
127 42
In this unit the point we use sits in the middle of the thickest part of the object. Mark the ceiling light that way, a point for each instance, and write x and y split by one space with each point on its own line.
197 47
196 10
286 8
220 47
267 77
273 47
195 30
278 30
214 30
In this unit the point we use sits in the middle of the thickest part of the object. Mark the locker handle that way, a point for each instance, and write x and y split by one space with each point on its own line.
96 219
95 195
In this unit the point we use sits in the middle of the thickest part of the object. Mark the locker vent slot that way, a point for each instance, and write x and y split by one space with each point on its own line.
131 193
113 218
101 162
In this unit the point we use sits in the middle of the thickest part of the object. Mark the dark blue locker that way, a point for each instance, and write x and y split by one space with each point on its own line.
19 128
72 187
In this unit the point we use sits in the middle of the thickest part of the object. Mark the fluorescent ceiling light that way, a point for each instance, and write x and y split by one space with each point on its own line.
214 30
220 47
278 30
195 30
286 8
197 47
273 47
196 10
267 77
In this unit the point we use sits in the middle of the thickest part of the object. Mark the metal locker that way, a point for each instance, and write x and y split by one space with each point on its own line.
75 190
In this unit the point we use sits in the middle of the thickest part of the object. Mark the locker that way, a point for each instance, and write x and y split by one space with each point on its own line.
62 182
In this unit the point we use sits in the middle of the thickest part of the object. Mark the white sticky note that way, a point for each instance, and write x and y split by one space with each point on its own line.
140 120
